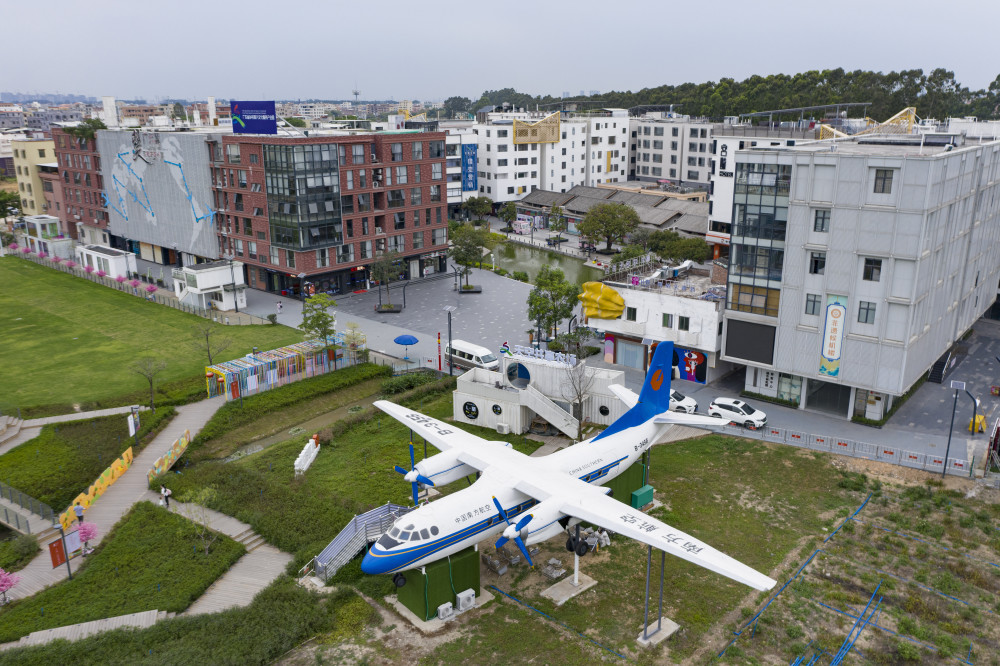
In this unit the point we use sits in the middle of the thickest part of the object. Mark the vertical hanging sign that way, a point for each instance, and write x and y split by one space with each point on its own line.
833 336
470 175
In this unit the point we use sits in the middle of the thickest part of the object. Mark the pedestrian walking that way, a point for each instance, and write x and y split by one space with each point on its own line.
78 510
165 496
278 306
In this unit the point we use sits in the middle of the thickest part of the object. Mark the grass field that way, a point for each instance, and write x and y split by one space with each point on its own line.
147 562
66 458
69 340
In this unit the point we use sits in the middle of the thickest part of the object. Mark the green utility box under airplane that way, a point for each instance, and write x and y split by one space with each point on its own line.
441 583
627 483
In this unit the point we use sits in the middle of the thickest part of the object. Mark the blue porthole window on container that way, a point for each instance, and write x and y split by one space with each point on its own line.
470 410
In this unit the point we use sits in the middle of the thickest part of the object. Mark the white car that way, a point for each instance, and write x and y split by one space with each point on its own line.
738 412
682 403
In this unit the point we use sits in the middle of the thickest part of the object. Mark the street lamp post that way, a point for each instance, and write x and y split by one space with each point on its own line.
236 301
494 262
302 286
449 309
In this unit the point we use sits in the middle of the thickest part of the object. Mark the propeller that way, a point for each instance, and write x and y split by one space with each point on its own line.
513 532
413 476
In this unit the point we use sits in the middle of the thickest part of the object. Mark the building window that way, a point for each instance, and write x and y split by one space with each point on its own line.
866 313
358 154
233 153
435 193
397 152
436 149
417 150
668 320
322 258
630 314
289 258
401 175
883 181
812 304
821 221
683 323
817 262
873 270
253 160
396 199
350 180
436 171
418 240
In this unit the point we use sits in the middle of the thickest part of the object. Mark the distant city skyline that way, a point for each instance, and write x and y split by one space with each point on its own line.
436 50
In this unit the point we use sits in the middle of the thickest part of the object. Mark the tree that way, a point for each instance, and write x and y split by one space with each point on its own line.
149 367
317 321
9 200
640 237
385 268
87 128
508 213
354 340
611 221
552 299
196 510
557 222
467 247
88 532
295 122
575 388
628 252
178 111
478 207
456 105
671 245
206 340
7 582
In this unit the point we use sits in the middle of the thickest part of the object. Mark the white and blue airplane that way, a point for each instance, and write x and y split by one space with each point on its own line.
529 500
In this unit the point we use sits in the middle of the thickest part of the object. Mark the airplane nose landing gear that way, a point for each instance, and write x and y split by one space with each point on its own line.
399 580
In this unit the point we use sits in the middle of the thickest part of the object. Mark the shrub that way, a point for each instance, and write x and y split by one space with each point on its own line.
499 270
395 385
74 455
520 276
907 651
231 415
17 551
273 318
147 562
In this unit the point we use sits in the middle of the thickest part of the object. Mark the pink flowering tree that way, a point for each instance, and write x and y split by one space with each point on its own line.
151 288
42 254
7 582
13 246
120 279
88 532
57 259
70 263
134 283
101 273
25 249
89 269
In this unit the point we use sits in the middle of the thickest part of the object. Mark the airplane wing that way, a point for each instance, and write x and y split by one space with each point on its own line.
596 508
630 398
693 420
471 450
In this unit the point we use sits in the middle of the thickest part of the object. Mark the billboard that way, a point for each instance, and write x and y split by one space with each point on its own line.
158 188
254 117
833 336
470 176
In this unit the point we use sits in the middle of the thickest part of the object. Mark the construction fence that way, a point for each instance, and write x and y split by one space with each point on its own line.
855 449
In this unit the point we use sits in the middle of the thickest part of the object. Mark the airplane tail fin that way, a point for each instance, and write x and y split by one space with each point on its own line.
655 394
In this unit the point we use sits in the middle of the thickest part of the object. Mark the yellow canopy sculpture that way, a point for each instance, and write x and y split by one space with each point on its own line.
601 301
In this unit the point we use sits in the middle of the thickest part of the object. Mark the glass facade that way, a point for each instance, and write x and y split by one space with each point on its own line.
760 216
303 195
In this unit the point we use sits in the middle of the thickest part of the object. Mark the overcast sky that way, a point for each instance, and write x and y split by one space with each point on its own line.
430 50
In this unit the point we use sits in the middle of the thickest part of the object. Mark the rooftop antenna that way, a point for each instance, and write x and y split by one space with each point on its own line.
356 93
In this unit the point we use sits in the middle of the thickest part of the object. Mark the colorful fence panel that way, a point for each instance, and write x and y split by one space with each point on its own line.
166 461
104 481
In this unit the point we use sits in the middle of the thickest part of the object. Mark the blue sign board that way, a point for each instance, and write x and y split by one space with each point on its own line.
470 175
254 117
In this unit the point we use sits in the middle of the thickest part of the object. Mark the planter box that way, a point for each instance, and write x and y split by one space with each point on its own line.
473 289
389 309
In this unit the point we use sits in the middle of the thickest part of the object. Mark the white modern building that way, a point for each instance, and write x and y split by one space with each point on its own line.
664 147
214 285
41 233
523 151
535 386
102 258
856 263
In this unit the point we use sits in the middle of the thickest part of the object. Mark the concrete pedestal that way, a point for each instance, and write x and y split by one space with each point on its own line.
667 629
564 590
433 625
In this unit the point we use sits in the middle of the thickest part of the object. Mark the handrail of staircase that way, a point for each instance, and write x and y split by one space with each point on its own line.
28 502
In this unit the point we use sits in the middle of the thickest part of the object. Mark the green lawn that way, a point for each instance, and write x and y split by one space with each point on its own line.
69 340
147 562
66 458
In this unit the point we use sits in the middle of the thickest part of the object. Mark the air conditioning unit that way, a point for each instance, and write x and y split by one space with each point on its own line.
446 611
378 231
503 429
465 600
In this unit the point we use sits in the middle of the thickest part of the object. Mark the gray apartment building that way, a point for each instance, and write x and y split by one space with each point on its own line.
856 263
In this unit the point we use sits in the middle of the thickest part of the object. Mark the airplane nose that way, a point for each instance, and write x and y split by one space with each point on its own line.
373 565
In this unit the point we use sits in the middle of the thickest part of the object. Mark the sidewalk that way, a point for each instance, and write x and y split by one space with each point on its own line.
119 498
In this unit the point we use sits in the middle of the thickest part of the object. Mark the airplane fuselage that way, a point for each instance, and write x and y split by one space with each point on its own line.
466 517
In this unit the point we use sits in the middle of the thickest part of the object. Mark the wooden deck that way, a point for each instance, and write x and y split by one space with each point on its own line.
75 632
238 586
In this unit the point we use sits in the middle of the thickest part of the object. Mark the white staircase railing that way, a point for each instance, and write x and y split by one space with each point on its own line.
356 535
536 401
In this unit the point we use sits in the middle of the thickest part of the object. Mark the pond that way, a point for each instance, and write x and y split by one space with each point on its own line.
516 257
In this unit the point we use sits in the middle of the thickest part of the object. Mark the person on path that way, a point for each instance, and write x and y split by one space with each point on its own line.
165 495
279 306
78 510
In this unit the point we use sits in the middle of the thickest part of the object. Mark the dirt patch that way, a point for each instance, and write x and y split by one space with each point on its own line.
897 474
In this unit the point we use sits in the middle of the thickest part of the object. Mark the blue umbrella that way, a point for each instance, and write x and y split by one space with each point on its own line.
406 341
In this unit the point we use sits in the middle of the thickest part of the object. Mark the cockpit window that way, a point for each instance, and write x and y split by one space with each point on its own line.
403 536
394 532
415 536
387 542
424 534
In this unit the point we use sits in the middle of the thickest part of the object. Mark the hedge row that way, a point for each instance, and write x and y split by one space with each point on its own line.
233 415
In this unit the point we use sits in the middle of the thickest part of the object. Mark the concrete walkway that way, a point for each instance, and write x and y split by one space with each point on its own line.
108 509
78 416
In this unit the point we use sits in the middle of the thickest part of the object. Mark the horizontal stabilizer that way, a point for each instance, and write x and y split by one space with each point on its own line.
629 397
693 420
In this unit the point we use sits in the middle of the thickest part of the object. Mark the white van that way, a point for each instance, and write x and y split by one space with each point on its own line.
462 354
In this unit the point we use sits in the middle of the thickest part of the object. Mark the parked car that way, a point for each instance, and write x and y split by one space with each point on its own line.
738 411
682 403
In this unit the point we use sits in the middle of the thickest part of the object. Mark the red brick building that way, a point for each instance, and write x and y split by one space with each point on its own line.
80 208
325 206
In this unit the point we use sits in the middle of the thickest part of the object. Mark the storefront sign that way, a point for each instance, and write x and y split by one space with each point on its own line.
833 337
470 174
544 355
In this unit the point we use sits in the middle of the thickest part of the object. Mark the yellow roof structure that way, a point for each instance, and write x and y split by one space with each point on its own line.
901 123
545 130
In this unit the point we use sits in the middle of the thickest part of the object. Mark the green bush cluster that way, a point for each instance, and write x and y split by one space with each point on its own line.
500 270
280 618
65 458
520 276
151 560
767 398
232 414
17 551
402 383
